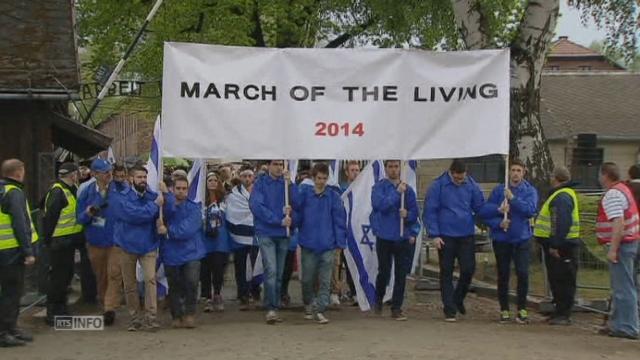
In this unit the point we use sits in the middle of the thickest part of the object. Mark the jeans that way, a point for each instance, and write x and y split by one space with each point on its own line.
245 287
212 270
400 254
316 266
274 252
520 254
562 274
128 266
11 286
624 305
463 249
183 288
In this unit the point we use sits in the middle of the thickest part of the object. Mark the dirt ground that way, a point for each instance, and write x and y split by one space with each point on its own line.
350 335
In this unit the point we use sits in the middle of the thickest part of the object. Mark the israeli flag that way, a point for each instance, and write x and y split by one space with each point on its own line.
362 260
154 176
111 157
154 164
334 174
197 177
293 170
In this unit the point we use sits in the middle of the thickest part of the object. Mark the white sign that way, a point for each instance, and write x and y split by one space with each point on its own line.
261 103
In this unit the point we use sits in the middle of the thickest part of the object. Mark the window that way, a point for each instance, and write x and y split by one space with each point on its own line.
584 67
486 169
555 67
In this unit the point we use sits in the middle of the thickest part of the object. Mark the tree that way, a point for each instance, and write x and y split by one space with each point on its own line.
535 21
524 26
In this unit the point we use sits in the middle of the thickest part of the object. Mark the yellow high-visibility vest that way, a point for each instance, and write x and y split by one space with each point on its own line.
67 224
8 239
542 227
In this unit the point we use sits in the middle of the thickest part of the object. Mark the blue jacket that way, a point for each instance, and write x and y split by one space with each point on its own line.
267 205
183 242
98 229
216 236
385 216
322 220
450 209
135 226
523 207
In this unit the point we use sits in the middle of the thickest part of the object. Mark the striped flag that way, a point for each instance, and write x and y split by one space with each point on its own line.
154 164
334 174
360 253
197 181
154 176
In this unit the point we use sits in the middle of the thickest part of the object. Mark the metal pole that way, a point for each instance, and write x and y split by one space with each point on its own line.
125 57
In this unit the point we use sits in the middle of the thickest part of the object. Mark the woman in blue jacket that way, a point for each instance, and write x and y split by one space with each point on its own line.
511 236
217 245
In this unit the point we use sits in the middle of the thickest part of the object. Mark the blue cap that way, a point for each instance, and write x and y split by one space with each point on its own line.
100 165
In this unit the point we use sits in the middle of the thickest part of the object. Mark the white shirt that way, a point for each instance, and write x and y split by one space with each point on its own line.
614 203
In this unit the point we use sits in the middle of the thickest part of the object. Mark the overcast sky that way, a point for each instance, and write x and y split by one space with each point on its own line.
570 25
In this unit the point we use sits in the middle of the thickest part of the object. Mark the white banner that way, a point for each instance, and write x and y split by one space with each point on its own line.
243 102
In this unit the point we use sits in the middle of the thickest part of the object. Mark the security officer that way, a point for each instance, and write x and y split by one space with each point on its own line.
557 228
17 238
62 235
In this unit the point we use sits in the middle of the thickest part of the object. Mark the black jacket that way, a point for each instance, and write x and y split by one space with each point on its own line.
54 203
14 203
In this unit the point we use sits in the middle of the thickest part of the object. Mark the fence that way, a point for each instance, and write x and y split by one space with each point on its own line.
593 273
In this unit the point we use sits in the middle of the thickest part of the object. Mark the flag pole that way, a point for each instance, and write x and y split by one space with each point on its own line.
160 161
125 57
286 192
505 216
401 199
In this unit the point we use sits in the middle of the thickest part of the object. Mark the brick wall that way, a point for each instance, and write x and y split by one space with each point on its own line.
37 43
131 134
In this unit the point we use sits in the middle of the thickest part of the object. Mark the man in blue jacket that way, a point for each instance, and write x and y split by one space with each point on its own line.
322 230
95 212
511 236
393 247
137 210
271 219
181 249
451 204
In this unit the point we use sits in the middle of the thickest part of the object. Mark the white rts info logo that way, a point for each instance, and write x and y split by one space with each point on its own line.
92 322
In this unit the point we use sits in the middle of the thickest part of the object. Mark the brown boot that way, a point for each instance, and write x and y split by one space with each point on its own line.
177 323
189 322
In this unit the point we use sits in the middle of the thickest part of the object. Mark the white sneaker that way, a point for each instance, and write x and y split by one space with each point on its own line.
308 312
321 319
335 299
271 317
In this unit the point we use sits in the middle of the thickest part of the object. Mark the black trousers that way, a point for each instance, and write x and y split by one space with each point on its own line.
61 269
245 288
562 274
11 287
352 286
212 269
288 271
400 254
183 288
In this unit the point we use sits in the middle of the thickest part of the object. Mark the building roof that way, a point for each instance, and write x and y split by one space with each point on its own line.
77 138
602 103
563 47
38 50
